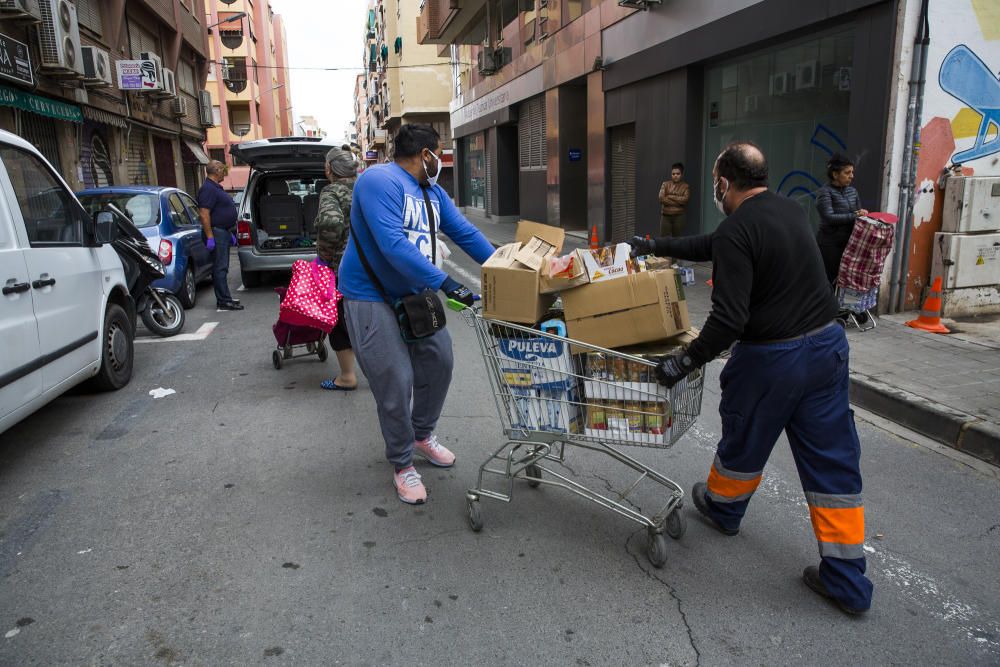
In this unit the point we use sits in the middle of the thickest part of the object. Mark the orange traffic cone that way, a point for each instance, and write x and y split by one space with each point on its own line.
930 314
594 243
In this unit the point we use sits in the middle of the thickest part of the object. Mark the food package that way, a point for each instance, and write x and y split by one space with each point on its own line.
607 263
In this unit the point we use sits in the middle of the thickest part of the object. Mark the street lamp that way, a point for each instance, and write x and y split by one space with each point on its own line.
235 17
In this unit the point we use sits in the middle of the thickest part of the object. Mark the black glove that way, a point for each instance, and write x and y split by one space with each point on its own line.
642 247
674 368
458 292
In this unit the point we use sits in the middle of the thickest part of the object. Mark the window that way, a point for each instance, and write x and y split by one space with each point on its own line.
51 214
256 77
88 14
142 40
211 70
142 210
185 77
178 214
532 147
217 154
191 207
216 115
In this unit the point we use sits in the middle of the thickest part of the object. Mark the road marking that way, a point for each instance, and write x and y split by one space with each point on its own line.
203 332
471 280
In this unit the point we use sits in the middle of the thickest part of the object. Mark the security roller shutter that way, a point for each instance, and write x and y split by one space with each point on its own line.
531 141
139 159
42 133
491 186
622 182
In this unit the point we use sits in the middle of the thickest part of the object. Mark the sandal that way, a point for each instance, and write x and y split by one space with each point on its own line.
331 385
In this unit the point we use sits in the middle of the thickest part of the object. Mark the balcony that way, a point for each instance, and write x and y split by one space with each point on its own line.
379 137
451 22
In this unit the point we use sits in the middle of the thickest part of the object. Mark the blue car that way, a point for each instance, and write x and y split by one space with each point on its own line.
168 218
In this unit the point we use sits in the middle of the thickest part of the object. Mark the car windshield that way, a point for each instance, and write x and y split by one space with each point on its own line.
143 209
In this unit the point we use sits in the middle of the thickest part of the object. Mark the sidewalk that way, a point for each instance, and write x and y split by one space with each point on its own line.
945 387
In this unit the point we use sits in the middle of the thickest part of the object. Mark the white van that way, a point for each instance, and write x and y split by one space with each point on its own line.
65 312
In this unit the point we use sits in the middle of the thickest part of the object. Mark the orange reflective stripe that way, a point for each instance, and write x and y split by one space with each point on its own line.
844 525
728 487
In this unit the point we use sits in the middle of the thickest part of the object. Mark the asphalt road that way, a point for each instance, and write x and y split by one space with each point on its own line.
249 518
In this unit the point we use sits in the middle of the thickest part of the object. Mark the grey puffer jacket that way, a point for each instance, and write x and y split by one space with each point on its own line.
836 207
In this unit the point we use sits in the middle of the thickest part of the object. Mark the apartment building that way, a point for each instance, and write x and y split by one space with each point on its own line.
405 82
247 78
60 89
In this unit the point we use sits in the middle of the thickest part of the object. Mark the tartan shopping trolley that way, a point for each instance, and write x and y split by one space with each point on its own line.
861 267
553 393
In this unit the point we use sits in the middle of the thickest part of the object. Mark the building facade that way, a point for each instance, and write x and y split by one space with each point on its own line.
61 90
405 82
248 80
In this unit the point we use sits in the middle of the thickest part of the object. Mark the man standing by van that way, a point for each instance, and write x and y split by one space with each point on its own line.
218 222
396 210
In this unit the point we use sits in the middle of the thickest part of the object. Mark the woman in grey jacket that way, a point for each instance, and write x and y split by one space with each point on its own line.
839 206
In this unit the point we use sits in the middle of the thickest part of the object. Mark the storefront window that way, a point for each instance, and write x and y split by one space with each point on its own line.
792 101
474 173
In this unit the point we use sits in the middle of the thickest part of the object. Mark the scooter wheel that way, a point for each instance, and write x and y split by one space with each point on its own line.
165 320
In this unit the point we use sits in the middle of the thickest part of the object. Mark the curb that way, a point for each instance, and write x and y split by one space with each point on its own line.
959 430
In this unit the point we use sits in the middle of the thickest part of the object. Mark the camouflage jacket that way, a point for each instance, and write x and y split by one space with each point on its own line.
333 220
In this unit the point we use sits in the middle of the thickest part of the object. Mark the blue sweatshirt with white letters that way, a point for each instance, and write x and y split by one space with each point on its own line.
389 221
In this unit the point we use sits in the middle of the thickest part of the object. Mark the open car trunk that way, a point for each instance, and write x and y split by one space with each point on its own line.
284 207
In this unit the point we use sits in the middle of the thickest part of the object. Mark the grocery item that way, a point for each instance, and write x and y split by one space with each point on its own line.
597 416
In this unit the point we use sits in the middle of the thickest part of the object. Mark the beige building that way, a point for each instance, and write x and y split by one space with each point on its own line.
247 78
406 82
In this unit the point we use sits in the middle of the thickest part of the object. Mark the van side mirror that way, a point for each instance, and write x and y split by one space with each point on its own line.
105 228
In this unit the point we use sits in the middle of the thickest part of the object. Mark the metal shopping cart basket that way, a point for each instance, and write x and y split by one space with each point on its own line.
553 393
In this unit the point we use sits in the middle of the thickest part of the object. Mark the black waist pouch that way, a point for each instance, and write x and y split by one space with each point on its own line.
419 315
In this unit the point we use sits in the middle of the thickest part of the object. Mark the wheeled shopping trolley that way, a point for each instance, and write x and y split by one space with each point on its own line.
553 393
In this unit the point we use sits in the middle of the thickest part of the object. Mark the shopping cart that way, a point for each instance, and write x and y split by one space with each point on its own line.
861 267
553 393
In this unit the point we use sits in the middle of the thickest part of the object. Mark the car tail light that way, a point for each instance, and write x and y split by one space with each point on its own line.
166 251
243 233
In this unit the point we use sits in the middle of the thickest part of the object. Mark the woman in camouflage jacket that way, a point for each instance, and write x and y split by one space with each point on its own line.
332 231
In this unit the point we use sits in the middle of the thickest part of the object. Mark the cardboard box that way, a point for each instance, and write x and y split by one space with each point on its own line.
577 276
510 289
526 229
534 253
606 263
639 308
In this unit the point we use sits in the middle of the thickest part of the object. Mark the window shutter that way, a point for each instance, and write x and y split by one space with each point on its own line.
88 14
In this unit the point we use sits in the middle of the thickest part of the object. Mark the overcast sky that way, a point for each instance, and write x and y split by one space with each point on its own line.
324 34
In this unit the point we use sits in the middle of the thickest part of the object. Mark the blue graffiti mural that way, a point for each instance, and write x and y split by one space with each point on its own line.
964 76
802 181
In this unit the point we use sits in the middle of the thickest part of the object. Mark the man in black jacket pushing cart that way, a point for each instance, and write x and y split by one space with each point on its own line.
788 370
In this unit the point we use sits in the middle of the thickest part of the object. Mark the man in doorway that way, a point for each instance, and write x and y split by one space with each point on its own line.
218 222
674 196
788 371
396 209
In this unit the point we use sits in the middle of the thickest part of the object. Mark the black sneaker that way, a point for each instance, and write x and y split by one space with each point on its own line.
810 575
232 305
698 493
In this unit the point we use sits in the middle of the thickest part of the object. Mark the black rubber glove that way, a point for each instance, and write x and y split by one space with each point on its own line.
642 247
458 292
674 368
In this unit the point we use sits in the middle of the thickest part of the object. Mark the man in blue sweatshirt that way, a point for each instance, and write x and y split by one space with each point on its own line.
389 221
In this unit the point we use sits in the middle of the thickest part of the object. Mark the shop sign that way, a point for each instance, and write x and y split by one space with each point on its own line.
15 61
371 155
138 75
42 106
575 154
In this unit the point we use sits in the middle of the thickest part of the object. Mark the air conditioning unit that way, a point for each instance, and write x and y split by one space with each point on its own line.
169 84
805 75
778 84
149 55
59 39
205 109
180 107
486 60
96 67
20 10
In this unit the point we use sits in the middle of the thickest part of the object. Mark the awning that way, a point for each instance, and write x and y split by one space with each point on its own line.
43 106
106 117
196 151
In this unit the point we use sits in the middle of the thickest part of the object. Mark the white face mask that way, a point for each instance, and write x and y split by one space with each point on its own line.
432 180
720 198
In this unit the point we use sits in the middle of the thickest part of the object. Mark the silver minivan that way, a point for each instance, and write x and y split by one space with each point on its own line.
280 203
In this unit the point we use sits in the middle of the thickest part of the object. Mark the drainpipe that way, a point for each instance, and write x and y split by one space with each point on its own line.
907 185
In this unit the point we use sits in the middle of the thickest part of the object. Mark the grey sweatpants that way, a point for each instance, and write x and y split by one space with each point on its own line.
409 380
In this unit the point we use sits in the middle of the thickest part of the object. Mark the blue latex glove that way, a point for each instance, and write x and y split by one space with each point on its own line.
210 244
232 239
456 291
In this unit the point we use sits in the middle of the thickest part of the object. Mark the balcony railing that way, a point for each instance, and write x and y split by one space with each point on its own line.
449 21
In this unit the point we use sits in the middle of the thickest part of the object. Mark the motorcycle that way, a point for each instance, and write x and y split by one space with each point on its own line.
161 311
